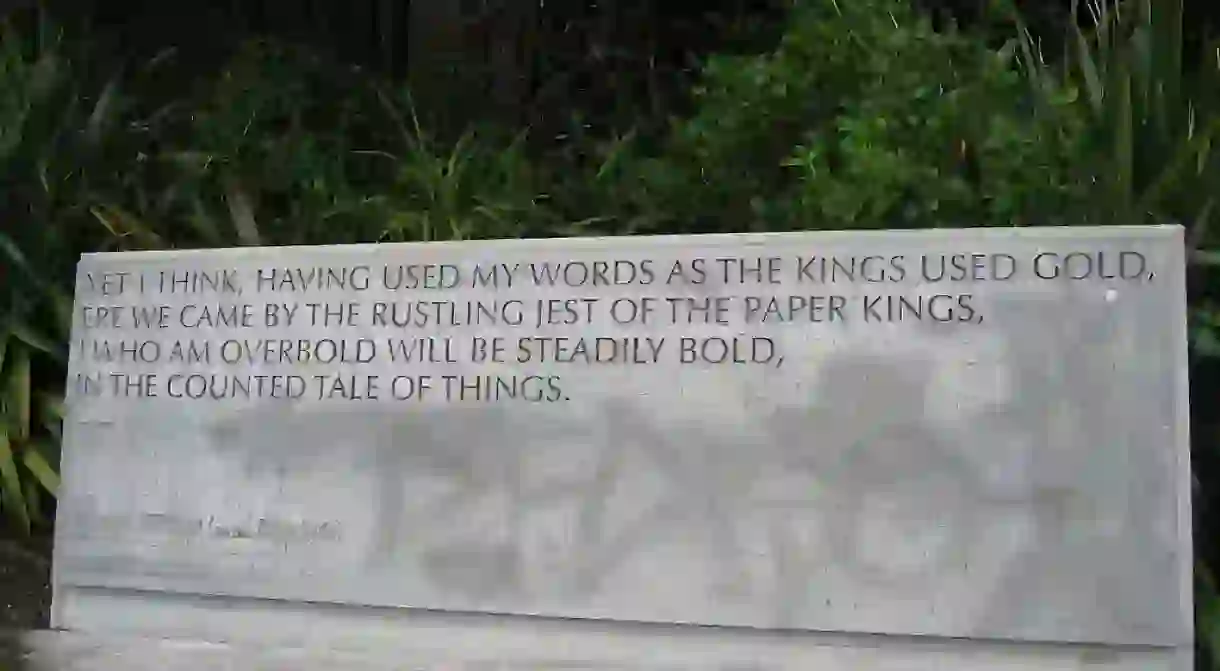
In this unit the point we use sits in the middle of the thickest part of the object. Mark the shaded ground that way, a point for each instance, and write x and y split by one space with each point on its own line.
25 583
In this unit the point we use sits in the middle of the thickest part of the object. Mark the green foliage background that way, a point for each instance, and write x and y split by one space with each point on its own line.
823 114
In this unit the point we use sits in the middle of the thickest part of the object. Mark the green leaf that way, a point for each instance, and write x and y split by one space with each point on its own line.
242 213
40 468
14 253
204 224
62 305
102 111
52 406
124 226
1206 343
33 501
1088 68
35 341
10 485
17 395
1192 149
1124 146
63 308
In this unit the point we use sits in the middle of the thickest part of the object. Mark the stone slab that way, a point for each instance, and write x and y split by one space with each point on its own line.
455 642
999 455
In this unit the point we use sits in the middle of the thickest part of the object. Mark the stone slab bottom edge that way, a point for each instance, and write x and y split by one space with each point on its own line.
71 651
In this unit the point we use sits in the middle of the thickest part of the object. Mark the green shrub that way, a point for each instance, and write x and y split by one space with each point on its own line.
1151 114
53 138
30 425
865 115
484 185
285 147
269 151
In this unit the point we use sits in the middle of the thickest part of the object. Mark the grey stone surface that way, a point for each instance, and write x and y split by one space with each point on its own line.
572 646
1020 475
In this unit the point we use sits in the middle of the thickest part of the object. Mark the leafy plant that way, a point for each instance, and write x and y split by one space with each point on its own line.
37 111
864 115
30 430
475 188
285 147
269 151
1151 116
939 132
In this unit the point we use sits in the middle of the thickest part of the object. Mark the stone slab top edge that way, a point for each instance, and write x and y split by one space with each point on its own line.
988 233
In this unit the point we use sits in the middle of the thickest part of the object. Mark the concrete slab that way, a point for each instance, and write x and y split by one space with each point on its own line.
959 434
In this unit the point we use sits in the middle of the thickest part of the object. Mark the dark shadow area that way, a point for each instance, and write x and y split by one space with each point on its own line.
25 593
25 582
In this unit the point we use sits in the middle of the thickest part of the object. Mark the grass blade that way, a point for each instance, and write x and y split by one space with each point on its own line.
52 406
14 253
1190 154
42 470
10 485
33 503
122 225
242 213
17 396
1205 257
34 341
1088 69
62 305
1124 147
102 111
